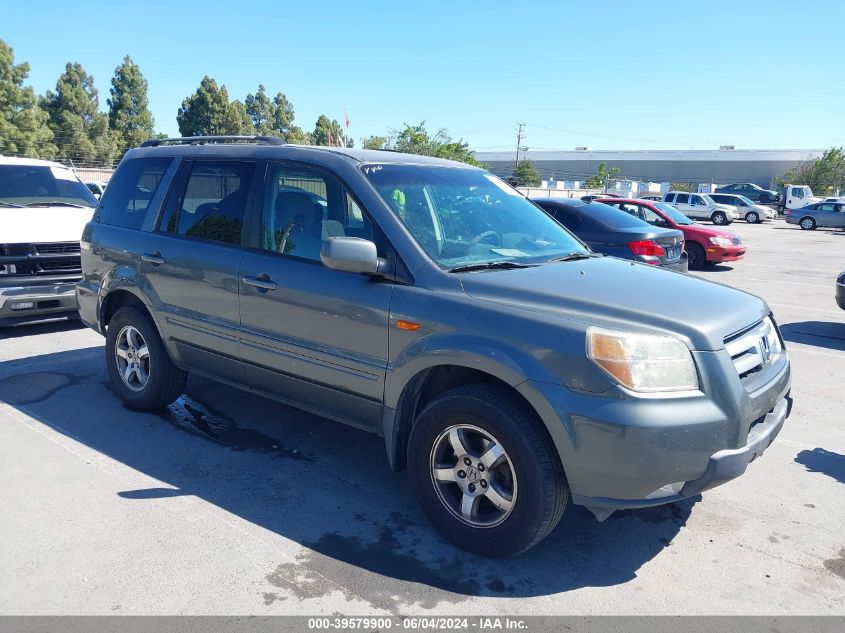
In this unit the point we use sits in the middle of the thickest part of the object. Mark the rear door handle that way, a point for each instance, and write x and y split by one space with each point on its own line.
153 258
262 282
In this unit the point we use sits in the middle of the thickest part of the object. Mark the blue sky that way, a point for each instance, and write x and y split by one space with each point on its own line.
609 75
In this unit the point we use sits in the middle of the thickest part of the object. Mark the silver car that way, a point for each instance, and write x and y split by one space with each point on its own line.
828 214
752 212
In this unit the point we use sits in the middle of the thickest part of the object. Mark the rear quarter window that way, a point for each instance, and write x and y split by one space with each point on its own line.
130 191
670 197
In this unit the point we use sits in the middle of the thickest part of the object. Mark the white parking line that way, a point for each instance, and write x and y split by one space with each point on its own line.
788 283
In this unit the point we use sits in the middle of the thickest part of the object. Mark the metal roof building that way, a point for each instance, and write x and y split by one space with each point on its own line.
760 166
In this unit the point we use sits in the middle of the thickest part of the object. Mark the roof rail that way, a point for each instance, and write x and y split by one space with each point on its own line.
203 140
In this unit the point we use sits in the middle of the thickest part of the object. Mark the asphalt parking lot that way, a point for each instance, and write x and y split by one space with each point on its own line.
230 504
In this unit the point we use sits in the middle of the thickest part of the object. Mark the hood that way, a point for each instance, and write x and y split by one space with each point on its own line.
707 231
43 224
618 294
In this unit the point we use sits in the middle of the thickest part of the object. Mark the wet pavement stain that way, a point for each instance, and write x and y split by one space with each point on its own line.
188 414
406 574
837 565
34 387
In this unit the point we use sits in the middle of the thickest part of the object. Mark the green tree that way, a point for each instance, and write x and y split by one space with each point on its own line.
261 111
23 123
130 119
283 116
374 142
329 132
682 186
209 112
416 139
80 130
823 175
525 174
602 177
298 136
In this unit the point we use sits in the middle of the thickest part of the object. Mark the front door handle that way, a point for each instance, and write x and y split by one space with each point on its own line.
153 258
262 282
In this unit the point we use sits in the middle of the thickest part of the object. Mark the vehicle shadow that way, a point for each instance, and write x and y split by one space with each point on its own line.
324 485
826 334
823 461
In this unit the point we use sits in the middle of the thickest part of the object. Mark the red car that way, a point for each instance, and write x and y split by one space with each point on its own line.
704 245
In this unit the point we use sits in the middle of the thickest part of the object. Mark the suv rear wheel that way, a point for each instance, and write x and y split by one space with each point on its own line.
141 371
486 474
719 218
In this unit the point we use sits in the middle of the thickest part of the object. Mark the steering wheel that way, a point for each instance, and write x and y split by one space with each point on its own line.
485 238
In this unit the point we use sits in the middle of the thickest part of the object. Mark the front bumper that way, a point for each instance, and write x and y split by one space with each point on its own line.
719 254
50 302
624 450
722 466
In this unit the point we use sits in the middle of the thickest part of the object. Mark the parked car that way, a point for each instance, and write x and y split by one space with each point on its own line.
508 367
751 191
840 290
828 214
589 198
612 232
97 187
753 213
43 209
701 206
704 245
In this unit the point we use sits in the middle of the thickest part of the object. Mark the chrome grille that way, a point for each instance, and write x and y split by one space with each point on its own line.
45 258
753 349
52 248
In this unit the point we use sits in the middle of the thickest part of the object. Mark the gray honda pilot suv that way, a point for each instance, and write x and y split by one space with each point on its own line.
508 367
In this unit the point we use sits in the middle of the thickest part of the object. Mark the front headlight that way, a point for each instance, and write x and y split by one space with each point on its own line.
720 241
643 362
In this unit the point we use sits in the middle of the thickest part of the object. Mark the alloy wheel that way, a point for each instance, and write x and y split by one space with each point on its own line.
473 476
133 358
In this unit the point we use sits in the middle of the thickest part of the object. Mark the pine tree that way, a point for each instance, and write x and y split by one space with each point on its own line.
130 119
23 124
80 130
209 112
329 132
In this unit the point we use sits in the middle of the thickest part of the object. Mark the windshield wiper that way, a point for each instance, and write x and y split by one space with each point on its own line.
489 266
10 204
570 257
56 203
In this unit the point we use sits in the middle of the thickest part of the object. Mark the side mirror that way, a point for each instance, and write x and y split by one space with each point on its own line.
350 255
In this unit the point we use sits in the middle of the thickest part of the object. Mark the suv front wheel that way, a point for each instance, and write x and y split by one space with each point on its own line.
485 472
719 217
141 371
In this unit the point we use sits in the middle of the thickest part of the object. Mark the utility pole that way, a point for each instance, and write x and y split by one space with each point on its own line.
520 134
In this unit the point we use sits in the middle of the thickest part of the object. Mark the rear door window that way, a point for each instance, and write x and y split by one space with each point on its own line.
130 191
211 202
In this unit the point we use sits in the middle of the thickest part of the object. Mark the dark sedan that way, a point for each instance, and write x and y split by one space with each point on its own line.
616 233
750 191
840 290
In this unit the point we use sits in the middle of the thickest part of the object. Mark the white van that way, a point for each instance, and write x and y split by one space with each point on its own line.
43 209
700 206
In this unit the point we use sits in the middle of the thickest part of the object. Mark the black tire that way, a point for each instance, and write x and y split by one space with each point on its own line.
752 217
764 198
696 255
808 223
539 486
719 218
165 381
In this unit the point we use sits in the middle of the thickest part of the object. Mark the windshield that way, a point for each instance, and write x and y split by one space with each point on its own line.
465 217
747 201
676 216
33 185
708 199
